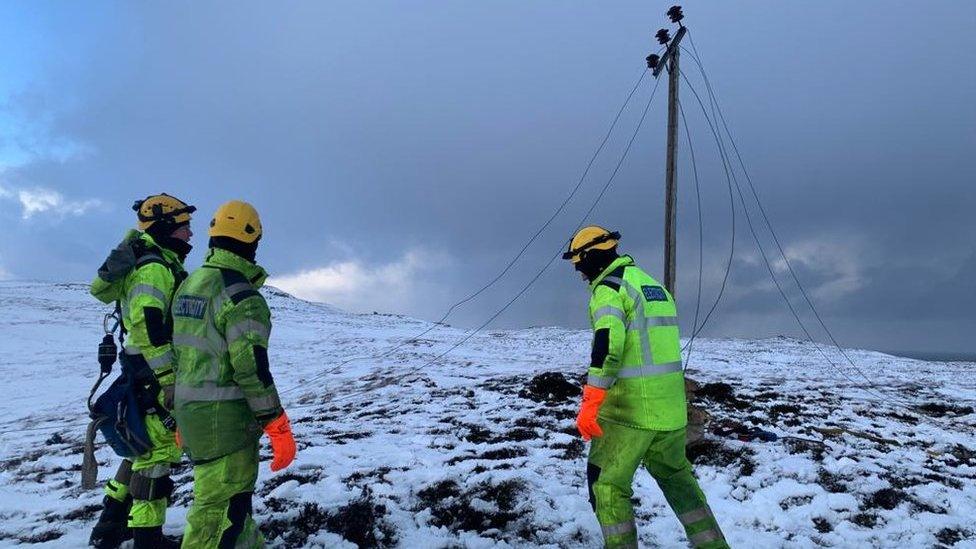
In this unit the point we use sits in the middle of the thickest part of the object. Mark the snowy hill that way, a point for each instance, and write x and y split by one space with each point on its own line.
477 451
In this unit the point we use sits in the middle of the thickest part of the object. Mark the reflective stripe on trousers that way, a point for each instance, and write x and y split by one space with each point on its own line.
706 536
697 516
619 529
156 471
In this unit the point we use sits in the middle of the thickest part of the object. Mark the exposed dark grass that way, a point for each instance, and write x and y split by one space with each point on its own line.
362 522
711 452
451 507
551 387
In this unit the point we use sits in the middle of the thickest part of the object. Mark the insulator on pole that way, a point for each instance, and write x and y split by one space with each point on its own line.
663 37
652 60
675 14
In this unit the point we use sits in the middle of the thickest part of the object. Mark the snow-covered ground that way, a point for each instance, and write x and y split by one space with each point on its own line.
477 451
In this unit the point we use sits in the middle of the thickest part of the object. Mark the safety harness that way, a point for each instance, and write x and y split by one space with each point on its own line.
119 413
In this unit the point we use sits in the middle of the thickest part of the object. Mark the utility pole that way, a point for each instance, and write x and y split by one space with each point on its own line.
670 60
696 416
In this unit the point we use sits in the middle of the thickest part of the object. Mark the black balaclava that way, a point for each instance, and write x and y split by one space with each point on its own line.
593 262
162 232
243 249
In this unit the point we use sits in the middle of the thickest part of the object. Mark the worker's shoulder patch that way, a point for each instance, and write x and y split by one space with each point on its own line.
654 293
190 306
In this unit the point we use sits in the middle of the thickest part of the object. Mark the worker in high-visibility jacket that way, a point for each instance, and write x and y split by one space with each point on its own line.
225 394
137 497
633 405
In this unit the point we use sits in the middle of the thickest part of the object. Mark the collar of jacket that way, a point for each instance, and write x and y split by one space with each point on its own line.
169 256
223 259
622 261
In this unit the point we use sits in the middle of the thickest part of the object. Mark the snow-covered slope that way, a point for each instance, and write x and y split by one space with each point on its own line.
477 451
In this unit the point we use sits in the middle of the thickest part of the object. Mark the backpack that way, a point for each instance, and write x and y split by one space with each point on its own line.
120 418
118 414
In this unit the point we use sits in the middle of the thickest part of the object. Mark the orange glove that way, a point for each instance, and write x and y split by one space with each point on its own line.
179 438
282 442
593 398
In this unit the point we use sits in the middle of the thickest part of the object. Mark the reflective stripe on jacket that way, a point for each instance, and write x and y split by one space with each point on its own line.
636 352
221 325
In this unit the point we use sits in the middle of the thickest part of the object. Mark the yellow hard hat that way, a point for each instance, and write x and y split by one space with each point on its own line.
238 220
162 208
592 237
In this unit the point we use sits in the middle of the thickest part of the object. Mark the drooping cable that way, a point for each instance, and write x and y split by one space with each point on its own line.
796 279
697 329
904 402
698 293
871 387
526 287
759 245
498 277
510 264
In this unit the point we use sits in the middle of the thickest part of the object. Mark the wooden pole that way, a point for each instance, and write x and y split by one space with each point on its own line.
671 190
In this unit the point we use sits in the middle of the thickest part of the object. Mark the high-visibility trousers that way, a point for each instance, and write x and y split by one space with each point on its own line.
613 460
148 481
221 512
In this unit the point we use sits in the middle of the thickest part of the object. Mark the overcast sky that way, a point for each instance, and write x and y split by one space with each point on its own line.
400 153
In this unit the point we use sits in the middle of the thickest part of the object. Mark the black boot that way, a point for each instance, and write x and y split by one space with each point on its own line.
111 529
153 538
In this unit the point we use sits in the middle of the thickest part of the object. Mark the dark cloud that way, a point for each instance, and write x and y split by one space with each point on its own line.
365 132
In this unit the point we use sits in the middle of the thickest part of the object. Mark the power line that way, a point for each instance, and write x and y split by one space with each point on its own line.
762 252
46 428
728 266
766 220
492 282
694 165
525 288
511 263
871 388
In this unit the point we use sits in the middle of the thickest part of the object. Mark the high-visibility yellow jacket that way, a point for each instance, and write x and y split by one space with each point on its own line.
221 324
636 352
